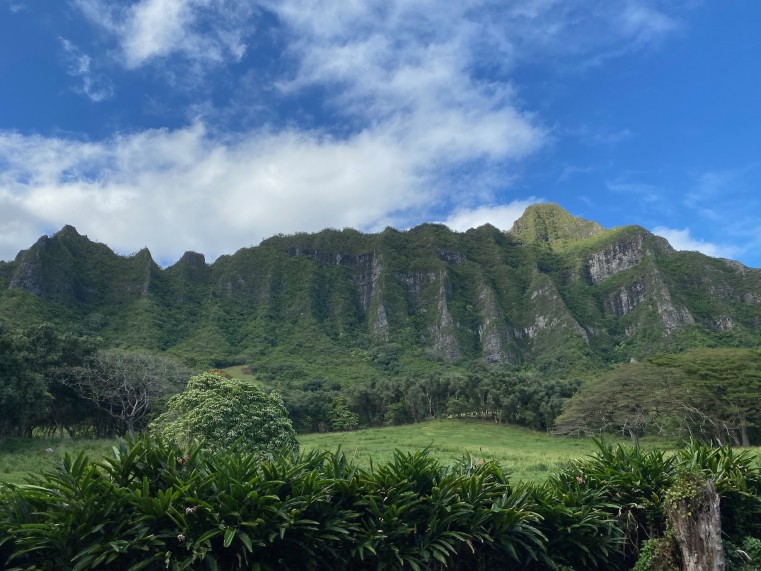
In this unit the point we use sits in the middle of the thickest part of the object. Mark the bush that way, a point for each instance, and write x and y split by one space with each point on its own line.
156 505
225 413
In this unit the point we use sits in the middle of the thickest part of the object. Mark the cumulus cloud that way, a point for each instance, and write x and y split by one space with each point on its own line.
179 190
501 216
683 240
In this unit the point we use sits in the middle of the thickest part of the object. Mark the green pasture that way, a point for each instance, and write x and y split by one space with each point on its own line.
22 456
241 372
527 454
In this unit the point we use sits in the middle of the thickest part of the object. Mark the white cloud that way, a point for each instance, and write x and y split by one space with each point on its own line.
203 31
501 216
94 85
16 6
180 190
683 240
644 24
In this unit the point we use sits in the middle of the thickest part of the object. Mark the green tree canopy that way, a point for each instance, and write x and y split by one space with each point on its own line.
724 393
33 362
225 413
633 399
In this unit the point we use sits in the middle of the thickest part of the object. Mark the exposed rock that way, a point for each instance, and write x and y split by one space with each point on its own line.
29 271
617 257
492 331
551 311
453 258
474 295
626 298
414 284
672 317
44 274
192 259
368 274
443 330
379 325
723 323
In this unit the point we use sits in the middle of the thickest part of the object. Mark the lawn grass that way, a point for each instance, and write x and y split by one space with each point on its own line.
20 457
527 454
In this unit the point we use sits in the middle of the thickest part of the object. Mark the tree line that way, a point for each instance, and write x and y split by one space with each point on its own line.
63 383
53 382
524 398
709 394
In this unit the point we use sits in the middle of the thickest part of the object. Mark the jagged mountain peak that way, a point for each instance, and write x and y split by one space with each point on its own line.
67 230
550 224
192 259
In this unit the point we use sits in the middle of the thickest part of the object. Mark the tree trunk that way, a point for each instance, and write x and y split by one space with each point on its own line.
744 433
696 525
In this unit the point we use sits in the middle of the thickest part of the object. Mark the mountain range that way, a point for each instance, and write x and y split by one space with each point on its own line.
555 292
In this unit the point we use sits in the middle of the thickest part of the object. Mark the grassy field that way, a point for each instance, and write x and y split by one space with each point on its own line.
22 456
527 454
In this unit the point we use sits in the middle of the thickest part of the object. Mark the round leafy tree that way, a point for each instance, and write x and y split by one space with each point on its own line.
227 413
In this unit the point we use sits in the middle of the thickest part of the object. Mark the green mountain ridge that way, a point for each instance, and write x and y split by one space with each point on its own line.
556 292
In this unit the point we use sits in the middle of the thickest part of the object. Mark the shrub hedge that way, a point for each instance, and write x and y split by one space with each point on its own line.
155 505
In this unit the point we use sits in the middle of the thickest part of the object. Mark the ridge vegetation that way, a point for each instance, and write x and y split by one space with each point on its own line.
556 293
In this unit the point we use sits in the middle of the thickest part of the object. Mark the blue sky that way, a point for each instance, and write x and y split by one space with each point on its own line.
208 125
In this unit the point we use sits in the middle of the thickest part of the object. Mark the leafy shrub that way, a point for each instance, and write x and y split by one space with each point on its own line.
744 556
225 413
579 523
657 554
157 505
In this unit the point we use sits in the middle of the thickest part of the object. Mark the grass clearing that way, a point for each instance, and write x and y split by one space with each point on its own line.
20 457
527 454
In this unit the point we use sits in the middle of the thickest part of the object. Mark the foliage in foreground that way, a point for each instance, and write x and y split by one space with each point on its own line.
155 505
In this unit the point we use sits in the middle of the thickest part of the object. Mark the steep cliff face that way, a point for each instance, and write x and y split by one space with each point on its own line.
554 285
493 329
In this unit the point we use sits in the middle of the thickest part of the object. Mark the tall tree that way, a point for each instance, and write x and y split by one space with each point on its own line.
23 395
633 398
724 393
33 363
129 384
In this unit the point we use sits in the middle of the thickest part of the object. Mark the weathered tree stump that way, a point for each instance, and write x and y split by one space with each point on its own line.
696 526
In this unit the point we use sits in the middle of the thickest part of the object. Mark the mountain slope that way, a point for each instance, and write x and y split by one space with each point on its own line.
555 292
